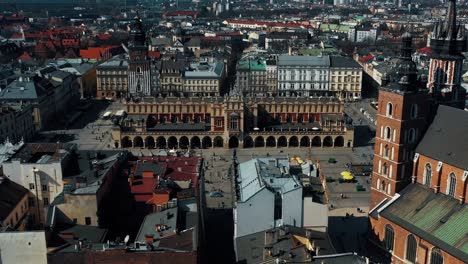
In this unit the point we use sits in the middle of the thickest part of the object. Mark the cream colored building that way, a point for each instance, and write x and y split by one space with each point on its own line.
38 167
345 77
179 78
23 247
112 78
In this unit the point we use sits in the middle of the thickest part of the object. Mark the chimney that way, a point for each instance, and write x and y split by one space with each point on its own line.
149 239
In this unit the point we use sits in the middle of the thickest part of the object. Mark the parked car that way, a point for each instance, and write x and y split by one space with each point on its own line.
216 195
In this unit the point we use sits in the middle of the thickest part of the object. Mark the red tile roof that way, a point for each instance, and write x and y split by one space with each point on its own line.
16 36
425 50
104 36
25 56
154 54
366 58
95 52
144 186
176 169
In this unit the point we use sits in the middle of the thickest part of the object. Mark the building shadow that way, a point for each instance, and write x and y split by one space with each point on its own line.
349 234
363 136
219 236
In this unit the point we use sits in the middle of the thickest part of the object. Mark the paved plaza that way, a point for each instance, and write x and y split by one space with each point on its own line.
91 132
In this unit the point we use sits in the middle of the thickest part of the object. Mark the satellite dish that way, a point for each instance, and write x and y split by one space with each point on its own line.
126 239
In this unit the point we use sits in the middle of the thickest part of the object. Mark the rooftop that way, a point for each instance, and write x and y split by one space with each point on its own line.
158 225
41 152
260 173
287 60
205 70
25 90
343 62
115 62
435 217
252 64
11 194
443 141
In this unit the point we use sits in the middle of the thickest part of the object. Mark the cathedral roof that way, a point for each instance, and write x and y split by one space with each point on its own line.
437 218
443 140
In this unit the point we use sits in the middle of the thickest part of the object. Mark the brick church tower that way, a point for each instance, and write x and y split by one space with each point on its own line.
445 69
404 108
139 64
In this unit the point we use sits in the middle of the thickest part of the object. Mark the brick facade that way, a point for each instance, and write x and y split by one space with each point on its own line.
423 249
440 180
401 122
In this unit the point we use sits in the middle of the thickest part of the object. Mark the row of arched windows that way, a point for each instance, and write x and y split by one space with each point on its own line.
451 180
411 247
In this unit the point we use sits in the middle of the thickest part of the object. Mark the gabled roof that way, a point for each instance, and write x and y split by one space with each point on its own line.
445 140
437 218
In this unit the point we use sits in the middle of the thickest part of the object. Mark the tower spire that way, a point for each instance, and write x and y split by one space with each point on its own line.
450 24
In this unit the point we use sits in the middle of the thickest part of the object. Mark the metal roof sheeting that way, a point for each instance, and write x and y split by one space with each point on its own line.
437 218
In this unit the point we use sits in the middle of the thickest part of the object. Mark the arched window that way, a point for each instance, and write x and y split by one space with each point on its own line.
234 122
451 184
382 186
388 133
414 111
138 70
411 247
412 135
427 175
436 256
385 169
386 151
389 109
389 238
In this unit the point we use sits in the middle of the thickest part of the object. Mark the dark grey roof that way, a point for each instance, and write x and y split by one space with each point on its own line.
193 42
181 127
166 217
314 61
178 65
446 138
435 217
11 194
343 62
250 248
92 234
157 169
93 175
17 90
